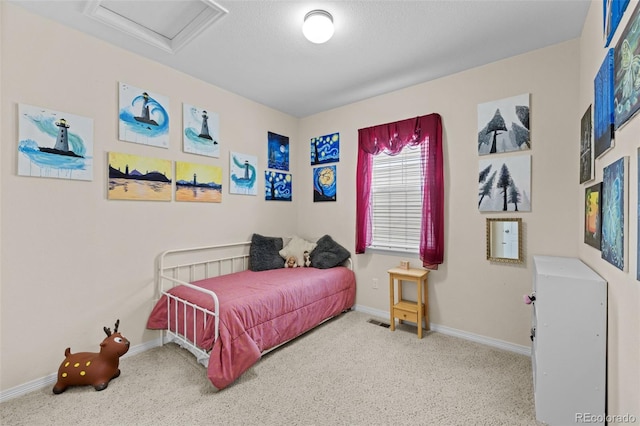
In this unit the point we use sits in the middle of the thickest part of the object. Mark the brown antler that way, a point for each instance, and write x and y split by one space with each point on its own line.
107 330
117 324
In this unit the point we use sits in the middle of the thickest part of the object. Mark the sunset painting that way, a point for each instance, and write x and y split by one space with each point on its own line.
132 177
198 182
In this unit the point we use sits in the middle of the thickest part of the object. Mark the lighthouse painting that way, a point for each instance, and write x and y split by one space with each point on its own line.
54 144
200 133
143 117
242 174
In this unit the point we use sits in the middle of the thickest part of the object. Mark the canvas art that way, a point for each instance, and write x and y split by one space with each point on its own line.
324 183
54 144
505 184
627 71
200 131
325 149
133 177
603 113
242 174
586 148
612 14
278 151
277 186
198 182
503 125
143 117
593 215
613 212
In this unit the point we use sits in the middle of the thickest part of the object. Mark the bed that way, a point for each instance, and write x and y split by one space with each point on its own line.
230 304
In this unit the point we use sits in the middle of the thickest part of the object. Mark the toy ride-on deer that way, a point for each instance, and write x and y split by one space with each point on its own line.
90 368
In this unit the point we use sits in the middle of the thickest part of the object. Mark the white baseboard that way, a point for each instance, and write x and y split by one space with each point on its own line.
512 347
51 379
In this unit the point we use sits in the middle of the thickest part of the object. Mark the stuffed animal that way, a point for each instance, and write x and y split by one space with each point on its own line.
307 259
89 368
291 262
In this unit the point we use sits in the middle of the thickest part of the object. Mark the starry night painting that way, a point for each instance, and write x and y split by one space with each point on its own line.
613 213
54 144
242 174
603 107
324 183
278 151
143 117
200 131
325 149
277 186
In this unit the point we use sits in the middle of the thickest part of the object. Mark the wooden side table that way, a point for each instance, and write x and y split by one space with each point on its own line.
404 309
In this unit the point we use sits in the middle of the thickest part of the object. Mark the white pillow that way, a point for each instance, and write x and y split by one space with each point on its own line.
296 247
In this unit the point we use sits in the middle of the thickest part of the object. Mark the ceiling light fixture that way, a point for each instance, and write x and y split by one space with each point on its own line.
318 26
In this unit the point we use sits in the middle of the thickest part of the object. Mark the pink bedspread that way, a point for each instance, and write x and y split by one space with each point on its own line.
260 310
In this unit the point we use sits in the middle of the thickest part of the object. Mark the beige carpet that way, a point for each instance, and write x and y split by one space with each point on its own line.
345 372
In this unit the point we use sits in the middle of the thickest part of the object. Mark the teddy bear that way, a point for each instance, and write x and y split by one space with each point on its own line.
291 262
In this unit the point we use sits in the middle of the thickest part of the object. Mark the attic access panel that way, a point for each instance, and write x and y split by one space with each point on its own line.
167 24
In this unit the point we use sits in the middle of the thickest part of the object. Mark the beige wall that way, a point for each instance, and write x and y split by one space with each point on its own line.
72 260
624 290
59 288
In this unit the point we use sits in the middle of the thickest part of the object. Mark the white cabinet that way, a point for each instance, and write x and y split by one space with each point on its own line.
569 341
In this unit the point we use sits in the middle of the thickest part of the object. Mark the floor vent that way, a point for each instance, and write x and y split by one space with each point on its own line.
376 322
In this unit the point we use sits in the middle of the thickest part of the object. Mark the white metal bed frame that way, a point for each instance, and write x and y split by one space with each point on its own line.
171 274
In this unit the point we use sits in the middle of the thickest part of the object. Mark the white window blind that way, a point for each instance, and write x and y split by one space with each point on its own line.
396 201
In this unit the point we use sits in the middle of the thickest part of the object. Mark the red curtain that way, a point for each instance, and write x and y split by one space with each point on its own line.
390 138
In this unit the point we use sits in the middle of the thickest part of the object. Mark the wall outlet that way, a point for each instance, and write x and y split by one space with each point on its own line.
374 283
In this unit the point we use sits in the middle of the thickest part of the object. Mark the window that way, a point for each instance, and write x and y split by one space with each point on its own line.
396 201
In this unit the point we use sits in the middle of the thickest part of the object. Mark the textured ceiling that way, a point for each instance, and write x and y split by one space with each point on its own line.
257 49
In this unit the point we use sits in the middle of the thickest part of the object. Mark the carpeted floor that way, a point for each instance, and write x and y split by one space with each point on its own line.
345 372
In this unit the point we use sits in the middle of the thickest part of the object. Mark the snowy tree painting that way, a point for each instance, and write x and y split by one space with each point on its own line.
504 184
503 125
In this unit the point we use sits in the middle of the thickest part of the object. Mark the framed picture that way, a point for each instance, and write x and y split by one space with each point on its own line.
593 215
627 71
198 182
143 117
505 184
278 151
325 149
603 114
503 125
54 144
586 148
133 177
277 186
242 174
324 183
200 131
614 189
612 14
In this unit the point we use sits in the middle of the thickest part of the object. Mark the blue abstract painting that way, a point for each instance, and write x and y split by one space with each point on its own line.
325 149
613 206
277 186
278 151
200 131
612 14
325 183
627 69
603 110
143 117
242 174
54 144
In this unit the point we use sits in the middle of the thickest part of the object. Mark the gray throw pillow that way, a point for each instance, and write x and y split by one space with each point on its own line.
264 253
328 253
